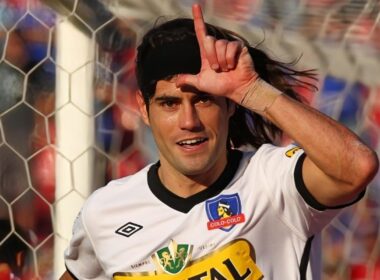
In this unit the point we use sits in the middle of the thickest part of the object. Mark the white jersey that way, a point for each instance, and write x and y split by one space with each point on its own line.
257 220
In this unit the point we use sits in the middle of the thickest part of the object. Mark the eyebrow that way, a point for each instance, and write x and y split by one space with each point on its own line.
166 97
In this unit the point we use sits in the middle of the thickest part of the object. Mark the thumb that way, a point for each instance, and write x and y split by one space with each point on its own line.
187 79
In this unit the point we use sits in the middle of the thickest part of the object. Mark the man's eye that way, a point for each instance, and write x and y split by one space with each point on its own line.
204 99
168 104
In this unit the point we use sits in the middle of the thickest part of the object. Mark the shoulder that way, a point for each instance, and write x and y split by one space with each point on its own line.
264 150
272 157
116 192
122 184
291 151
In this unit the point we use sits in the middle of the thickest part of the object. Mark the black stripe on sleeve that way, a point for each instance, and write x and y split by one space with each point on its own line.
307 196
305 258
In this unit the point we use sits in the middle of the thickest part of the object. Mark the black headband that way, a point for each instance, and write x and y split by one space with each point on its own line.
178 57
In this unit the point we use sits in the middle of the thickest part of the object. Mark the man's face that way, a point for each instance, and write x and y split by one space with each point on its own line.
190 129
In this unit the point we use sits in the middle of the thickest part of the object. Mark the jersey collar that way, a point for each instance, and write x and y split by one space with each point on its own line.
185 204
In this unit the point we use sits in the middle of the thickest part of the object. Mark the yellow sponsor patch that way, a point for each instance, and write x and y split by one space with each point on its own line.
235 260
291 152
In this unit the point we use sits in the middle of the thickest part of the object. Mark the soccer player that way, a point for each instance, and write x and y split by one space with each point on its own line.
205 93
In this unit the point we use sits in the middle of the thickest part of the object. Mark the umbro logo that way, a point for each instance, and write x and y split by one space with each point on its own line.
128 229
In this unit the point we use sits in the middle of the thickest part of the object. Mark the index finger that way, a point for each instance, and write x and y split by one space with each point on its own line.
200 27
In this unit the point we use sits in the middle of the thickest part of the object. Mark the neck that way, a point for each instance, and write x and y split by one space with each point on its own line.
187 185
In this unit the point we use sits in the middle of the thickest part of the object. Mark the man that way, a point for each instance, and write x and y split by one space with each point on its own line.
204 94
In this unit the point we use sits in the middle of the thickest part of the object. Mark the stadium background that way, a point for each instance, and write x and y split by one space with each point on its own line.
68 118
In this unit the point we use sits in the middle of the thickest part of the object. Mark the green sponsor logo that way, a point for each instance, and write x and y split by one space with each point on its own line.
173 259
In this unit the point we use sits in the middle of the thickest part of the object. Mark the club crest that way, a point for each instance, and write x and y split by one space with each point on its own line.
173 258
224 212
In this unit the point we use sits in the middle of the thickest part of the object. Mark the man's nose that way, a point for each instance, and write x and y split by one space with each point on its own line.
189 117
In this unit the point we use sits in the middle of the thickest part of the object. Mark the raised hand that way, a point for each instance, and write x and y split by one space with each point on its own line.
226 66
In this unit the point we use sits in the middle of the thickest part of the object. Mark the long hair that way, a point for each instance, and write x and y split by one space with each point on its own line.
172 48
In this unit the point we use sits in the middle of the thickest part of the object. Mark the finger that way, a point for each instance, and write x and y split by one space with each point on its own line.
200 27
210 52
187 79
221 48
232 53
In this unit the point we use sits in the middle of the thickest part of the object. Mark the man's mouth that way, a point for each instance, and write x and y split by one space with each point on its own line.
192 142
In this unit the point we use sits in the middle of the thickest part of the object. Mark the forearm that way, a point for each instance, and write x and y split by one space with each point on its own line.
333 148
329 145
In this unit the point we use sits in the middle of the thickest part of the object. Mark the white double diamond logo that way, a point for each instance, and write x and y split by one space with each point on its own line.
128 229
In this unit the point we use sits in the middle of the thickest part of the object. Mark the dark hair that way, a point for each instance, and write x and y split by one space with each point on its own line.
172 48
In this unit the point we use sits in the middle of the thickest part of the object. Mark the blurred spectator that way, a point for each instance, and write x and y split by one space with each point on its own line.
10 87
241 10
14 253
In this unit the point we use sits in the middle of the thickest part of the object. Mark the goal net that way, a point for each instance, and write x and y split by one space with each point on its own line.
69 121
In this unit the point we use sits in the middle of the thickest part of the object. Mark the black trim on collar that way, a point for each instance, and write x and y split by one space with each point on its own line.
307 196
185 204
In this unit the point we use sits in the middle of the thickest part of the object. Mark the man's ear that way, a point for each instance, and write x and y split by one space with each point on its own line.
142 107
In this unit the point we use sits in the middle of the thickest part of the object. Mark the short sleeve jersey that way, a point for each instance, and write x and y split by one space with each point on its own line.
257 220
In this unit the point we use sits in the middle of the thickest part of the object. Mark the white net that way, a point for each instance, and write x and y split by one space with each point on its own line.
69 121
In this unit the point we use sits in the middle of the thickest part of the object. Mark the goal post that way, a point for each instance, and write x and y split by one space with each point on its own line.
74 131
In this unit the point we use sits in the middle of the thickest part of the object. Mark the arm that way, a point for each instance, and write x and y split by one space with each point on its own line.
338 165
80 259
